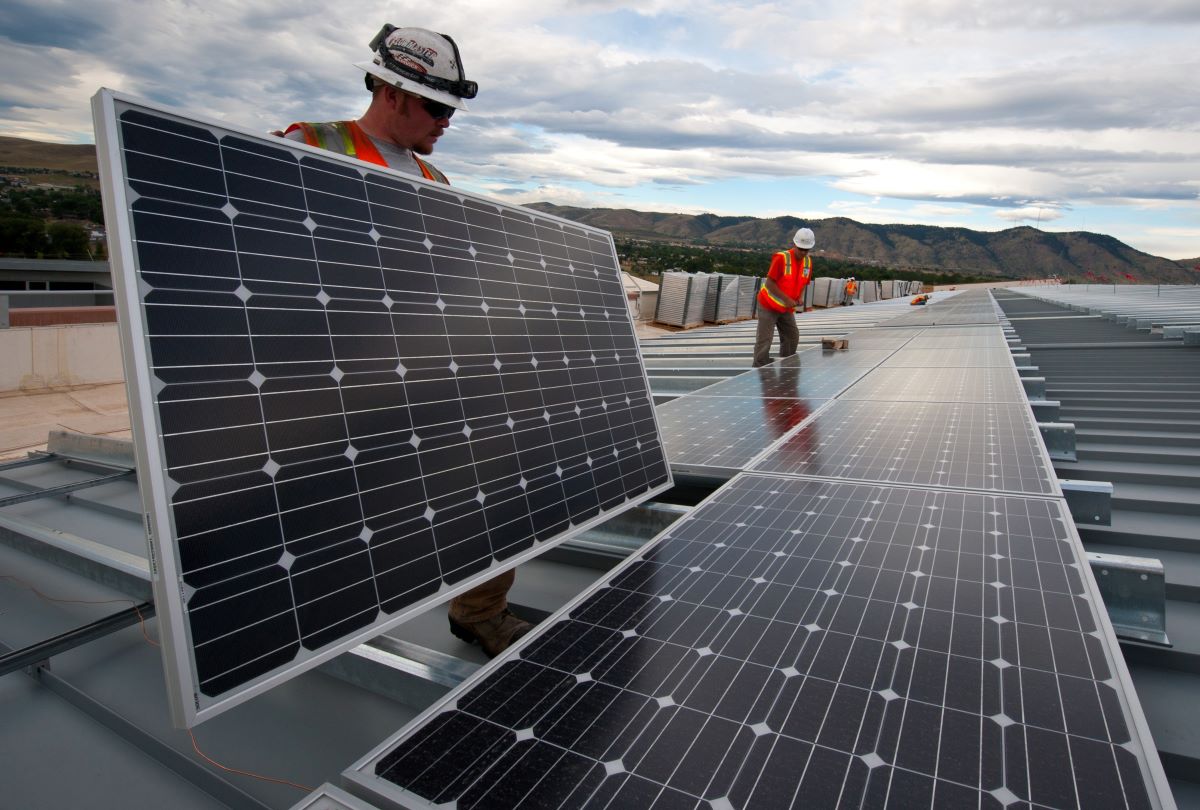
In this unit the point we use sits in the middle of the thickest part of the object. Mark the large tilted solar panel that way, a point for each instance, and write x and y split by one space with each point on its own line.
985 446
355 393
718 436
800 643
944 384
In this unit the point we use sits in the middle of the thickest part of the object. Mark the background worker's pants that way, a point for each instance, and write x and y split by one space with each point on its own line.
789 336
484 601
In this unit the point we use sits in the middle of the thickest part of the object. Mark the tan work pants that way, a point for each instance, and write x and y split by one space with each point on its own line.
789 335
484 601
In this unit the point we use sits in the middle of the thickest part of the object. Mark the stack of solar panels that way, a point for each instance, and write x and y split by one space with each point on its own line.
890 609
820 291
711 284
828 292
694 313
729 298
747 296
680 300
721 297
837 292
868 291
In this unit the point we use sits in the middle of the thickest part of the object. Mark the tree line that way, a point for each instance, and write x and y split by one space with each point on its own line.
41 223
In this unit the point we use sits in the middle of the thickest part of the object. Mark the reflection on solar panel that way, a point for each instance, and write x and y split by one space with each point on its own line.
718 436
792 377
804 643
939 385
991 446
355 392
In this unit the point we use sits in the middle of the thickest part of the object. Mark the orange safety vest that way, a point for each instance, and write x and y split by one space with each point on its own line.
851 287
348 138
791 284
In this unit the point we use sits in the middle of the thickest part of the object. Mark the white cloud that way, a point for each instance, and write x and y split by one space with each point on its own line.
1030 213
935 107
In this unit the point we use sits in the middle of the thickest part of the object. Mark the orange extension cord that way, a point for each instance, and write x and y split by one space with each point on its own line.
153 643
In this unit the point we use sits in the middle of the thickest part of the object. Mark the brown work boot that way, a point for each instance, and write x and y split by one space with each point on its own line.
494 634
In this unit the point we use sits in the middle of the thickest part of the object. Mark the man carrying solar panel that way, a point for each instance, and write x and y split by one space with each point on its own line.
416 81
780 294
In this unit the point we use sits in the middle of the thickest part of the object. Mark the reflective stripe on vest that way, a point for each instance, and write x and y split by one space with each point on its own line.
764 295
348 138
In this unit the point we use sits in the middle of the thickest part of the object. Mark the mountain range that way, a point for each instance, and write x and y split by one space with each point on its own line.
1021 252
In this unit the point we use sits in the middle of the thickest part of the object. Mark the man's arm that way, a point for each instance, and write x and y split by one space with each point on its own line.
777 293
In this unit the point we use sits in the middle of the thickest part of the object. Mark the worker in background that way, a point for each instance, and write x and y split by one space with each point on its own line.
416 81
851 291
782 291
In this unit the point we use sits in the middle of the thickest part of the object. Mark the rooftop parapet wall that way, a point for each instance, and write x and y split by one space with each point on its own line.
41 358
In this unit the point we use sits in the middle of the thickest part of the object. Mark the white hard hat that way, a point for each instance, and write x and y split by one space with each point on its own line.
805 239
420 62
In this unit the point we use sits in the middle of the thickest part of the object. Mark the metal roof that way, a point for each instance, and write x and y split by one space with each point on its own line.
1134 398
98 711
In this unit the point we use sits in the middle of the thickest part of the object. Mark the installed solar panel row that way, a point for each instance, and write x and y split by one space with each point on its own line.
804 642
718 430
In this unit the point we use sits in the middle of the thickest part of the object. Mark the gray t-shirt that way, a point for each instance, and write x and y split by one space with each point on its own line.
397 157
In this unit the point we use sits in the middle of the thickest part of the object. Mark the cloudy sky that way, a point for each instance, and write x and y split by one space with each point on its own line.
1069 115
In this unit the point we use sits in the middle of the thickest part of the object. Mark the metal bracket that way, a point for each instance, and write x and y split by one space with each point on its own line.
1135 594
1045 410
1090 502
1060 440
1035 387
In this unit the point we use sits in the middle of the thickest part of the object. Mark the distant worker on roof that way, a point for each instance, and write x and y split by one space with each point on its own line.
417 82
851 291
781 292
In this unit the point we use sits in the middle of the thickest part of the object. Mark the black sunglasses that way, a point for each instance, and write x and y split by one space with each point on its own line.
437 109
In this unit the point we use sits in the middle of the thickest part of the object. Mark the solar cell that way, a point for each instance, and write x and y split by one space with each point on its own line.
355 393
809 644
992 446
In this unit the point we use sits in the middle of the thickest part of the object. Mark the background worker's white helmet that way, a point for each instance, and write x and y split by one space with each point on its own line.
805 239
420 62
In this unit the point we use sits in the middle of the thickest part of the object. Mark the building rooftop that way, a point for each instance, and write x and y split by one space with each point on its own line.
98 709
